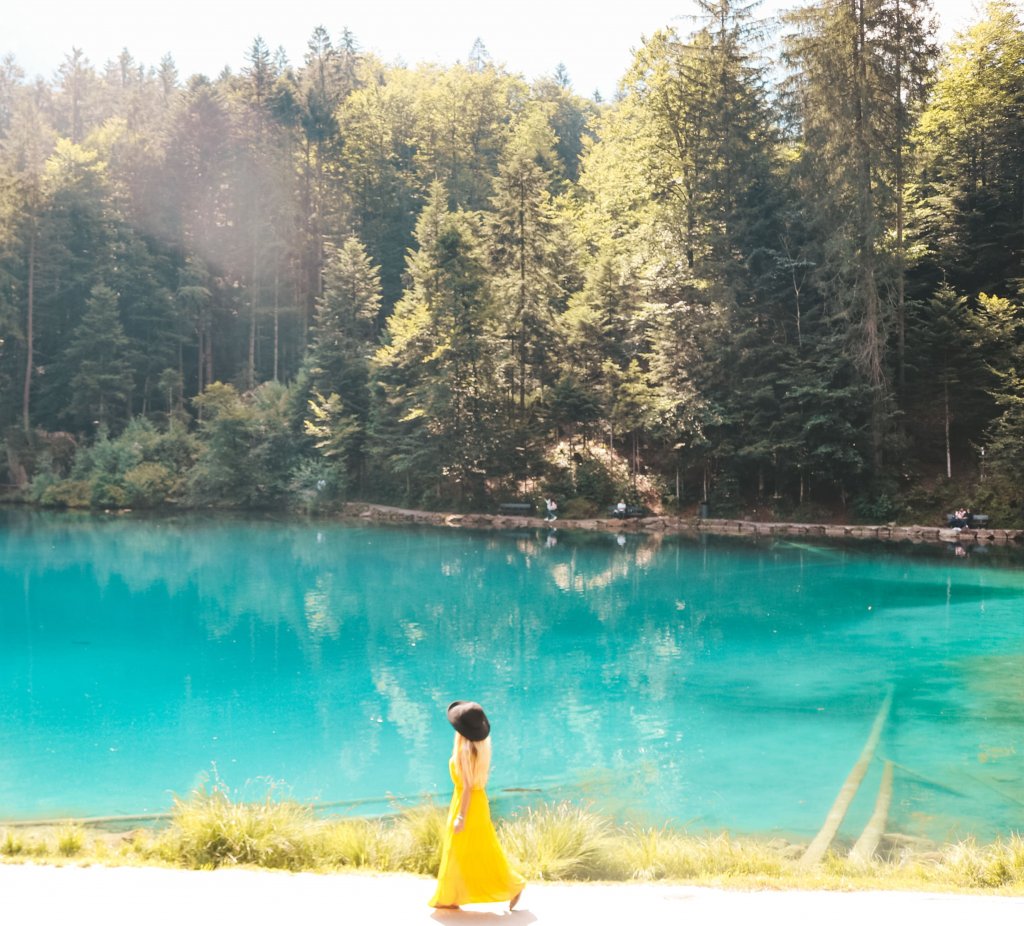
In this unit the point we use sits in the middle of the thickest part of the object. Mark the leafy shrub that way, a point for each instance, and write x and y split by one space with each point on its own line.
41 485
877 508
108 458
69 493
596 481
107 492
1004 504
148 484
247 451
807 513
317 484
578 508
724 497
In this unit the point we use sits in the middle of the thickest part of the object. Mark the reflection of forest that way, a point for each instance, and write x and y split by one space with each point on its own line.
389 626
655 671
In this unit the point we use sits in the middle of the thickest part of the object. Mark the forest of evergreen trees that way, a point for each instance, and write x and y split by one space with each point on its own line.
781 272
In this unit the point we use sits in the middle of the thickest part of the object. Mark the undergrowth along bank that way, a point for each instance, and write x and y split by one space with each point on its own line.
546 843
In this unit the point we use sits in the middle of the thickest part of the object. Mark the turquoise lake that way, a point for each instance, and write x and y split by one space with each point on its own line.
712 683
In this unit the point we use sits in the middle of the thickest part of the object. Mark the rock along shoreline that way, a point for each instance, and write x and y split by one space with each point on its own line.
669 524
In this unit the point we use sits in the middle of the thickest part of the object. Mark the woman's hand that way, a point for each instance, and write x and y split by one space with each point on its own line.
459 825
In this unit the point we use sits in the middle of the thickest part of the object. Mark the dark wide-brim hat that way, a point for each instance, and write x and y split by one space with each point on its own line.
469 719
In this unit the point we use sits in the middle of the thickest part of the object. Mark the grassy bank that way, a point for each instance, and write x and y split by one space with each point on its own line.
554 842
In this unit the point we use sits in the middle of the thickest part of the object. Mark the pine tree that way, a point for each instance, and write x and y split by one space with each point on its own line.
854 77
343 339
378 122
906 56
970 194
946 376
328 78
434 419
96 358
998 325
527 263
201 167
24 150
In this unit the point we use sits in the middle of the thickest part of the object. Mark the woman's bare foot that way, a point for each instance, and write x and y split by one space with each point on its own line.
512 903
447 906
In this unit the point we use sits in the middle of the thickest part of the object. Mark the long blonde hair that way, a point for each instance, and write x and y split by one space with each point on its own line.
473 760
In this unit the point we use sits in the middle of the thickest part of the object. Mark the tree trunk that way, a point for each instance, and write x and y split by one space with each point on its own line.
254 295
209 357
949 455
871 348
901 327
181 379
200 356
277 324
250 371
26 395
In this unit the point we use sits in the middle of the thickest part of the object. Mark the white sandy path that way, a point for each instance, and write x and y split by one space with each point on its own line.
115 896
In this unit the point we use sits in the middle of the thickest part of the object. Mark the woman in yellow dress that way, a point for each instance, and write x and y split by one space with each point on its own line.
473 866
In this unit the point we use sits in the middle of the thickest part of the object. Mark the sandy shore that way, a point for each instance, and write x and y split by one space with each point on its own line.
115 896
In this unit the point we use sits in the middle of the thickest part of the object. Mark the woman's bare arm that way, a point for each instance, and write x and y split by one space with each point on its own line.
460 820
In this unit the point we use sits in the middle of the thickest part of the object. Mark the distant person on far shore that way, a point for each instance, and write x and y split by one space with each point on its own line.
552 509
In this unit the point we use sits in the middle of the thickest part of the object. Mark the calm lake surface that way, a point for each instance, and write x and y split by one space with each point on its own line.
713 684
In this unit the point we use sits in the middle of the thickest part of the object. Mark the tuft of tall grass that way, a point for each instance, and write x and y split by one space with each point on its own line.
70 840
999 864
11 844
209 830
550 843
419 832
653 854
355 843
1005 861
409 841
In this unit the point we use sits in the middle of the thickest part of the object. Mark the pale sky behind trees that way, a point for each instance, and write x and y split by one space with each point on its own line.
531 37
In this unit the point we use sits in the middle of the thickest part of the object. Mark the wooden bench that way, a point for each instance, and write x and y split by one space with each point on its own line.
520 508
974 521
632 511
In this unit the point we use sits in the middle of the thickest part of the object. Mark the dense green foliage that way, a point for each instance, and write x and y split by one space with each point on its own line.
778 274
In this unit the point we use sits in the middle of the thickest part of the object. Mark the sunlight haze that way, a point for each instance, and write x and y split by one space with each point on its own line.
531 38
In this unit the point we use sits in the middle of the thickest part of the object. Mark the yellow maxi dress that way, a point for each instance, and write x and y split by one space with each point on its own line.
473 865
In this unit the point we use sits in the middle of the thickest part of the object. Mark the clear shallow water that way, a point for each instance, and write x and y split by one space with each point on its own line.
715 684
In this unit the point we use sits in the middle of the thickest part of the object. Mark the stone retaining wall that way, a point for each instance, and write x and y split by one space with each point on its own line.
667 524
